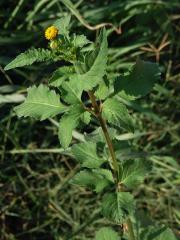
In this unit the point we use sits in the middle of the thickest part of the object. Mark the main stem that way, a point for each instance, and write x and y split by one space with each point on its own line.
102 122
106 134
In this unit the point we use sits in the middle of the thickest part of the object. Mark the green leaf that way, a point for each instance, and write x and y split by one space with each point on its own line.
29 57
94 75
86 154
86 117
167 234
140 81
68 123
91 179
103 89
126 97
134 171
105 173
63 25
71 93
80 41
41 103
60 75
157 233
117 114
118 206
106 233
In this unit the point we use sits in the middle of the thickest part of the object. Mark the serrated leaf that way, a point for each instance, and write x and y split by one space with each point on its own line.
86 154
70 92
140 81
68 123
66 126
80 41
60 75
91 179
117 114
41 103
29 57
103 89
90 57
94 75
107 233
63 25
134 171
118 206
105 173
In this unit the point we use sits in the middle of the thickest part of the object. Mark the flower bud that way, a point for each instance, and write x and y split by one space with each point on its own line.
53 44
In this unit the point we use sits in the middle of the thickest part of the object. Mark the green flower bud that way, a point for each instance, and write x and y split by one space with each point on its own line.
53 44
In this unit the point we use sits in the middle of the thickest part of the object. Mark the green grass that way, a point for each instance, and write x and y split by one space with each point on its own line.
36 199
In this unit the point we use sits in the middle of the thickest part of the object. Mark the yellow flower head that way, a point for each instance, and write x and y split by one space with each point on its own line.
51 33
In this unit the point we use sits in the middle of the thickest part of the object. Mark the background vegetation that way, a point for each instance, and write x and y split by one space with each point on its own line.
36 199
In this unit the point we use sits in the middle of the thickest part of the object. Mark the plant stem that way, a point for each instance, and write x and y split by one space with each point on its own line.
110 146
106 134
102 122
130 229
93 100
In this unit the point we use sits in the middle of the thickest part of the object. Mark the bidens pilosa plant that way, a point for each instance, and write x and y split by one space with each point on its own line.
87 95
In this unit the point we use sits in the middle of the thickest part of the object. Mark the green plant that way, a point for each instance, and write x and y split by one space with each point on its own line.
83 93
